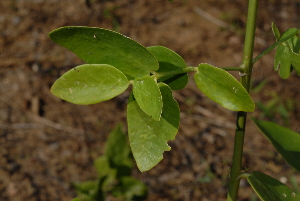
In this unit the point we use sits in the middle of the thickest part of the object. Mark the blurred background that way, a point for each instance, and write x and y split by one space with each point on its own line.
47 144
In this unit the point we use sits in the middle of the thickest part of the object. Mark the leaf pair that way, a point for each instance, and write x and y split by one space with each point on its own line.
152 113
110 56
148 137
287 55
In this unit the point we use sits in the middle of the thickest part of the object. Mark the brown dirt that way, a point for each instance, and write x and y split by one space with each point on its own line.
46 144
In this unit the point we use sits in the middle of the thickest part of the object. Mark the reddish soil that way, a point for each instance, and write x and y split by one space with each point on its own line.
47 144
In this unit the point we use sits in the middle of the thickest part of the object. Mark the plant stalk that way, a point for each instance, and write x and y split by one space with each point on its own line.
236 168
174 72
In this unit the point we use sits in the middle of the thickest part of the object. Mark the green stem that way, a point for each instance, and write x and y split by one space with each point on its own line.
187 69
234 177
274 45
173 72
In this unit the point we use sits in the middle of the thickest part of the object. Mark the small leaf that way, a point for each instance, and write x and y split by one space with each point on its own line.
106 174
102 46
270 189
287 56
118 152
129 189
295 60
88 191
284 140
148 138
223 88
90 84
102 166
283 62
296 44
147 95
75 199
87 187
275 31
170 61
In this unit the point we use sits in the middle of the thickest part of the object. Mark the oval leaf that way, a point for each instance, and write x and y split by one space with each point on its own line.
147 95
90 84
223 88
286 141
268 188
102 46
148 138
170 61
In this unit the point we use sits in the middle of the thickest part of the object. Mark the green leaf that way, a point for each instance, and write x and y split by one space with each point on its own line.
286 141
130 188
295 60
75 199
148 138
275 31
107 175
223 88
118 152
90 83
170 61
270 189
295 40
283 62
175 82
287 56
102 46
87 190
148 96
102 166
87 187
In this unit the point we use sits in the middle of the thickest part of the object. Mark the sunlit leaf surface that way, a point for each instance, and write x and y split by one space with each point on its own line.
102 46
90 84
148 138
223 88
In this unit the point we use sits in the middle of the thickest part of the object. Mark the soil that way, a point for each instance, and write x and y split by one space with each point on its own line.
47 144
